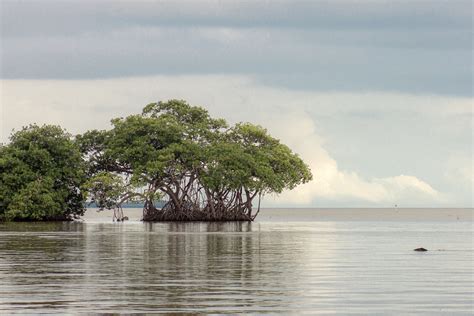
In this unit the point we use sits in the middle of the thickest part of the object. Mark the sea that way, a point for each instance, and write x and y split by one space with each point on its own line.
289 261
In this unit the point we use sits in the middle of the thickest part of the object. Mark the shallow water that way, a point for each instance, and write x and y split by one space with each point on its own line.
294 267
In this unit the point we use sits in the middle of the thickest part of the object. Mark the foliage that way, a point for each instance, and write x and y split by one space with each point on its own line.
41 171
105 189
200 166
203 168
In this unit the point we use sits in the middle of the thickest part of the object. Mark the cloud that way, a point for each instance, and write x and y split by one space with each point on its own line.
330 182
321 46
32 18
357 159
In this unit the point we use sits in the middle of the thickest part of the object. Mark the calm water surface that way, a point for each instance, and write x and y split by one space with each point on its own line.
294 267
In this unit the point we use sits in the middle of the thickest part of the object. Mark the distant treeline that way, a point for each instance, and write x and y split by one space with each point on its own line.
158 204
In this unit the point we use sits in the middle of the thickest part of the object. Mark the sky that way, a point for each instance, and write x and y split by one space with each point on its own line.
376 96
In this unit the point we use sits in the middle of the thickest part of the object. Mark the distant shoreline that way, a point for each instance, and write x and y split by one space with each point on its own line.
331 214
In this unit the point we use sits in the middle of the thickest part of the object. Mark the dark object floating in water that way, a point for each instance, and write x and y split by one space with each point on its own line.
420 249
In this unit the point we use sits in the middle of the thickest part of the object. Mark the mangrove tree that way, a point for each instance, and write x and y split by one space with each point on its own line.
198 167
41 174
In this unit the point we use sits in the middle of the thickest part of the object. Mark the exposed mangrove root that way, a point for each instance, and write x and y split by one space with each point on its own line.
201 210
189 200
118 214
156 214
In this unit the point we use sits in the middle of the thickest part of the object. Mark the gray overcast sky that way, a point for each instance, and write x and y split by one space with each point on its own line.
386 85
416 46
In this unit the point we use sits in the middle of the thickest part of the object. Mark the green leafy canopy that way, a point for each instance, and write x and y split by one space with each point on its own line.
200 167
41 171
